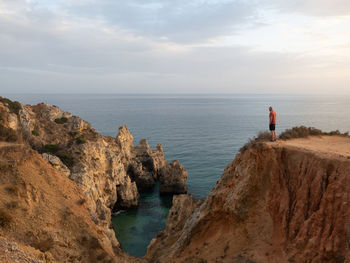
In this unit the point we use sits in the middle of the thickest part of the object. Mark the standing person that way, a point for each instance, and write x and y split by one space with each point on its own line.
272 122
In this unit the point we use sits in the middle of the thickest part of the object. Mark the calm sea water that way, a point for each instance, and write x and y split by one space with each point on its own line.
204 132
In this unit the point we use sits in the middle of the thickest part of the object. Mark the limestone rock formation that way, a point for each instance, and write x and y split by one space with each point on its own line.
274 203
173 178
109 172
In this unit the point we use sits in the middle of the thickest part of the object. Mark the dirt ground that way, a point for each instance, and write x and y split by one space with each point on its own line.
325 145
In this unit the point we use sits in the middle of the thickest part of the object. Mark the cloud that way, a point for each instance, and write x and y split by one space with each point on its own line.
161 46
172 20
310 7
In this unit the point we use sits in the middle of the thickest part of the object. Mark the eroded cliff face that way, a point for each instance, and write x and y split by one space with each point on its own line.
109 172
274 203
44 215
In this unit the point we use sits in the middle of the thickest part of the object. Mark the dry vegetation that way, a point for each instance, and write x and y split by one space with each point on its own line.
256 141
303 132
293 133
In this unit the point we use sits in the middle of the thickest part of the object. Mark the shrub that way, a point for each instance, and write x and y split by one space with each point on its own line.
303 132
35 132
5 218
80 140
67 159
261 137
13 106
300 132
50 148
7 134
62 120
73 133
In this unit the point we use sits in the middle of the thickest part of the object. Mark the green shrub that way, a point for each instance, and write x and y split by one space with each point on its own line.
50 148
7 134
13 106
62 120
35 132
73 133
80 140
5 218
67 159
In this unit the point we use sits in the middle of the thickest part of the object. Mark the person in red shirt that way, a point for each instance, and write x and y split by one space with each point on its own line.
272 122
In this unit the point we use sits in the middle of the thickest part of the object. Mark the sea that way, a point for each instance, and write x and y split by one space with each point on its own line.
203 131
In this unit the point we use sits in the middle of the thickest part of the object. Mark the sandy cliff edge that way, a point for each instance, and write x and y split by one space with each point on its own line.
277 202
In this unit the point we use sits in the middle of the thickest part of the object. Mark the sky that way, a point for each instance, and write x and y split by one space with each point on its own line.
175 46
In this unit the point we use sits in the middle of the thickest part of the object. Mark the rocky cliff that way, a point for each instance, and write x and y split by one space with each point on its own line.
276 202
108 173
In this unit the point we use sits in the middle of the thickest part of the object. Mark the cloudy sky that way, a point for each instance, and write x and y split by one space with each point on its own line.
175 46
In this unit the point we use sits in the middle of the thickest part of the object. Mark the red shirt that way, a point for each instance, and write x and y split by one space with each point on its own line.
272 117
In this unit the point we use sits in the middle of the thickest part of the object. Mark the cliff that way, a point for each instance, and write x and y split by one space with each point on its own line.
60 179
276 202
67 178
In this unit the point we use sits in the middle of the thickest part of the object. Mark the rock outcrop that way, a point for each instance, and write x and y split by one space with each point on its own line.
274 203
173 178
108 171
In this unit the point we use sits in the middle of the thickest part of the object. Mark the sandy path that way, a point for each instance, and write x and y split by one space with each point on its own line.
329 145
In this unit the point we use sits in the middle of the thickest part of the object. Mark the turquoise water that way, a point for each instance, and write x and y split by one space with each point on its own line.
143 221
204 132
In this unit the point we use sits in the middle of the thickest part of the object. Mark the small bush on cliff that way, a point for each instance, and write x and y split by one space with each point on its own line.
62 120
35 132
80 140
261 137
50 148
304 132
13 106
73 133
299 132
67 159
7 134
5 218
